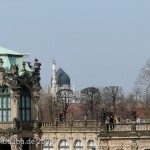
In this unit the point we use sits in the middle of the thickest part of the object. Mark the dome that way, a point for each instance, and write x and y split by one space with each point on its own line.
62 79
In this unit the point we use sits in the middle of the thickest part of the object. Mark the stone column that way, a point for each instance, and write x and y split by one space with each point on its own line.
15 96
16 143
16 147
55 142
37 141
35 98
71 144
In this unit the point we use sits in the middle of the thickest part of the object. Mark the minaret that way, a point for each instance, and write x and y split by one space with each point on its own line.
53 85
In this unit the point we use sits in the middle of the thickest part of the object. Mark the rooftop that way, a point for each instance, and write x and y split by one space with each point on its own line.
5 51
11 57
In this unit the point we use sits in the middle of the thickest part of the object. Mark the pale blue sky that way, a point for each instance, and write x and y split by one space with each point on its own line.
97 42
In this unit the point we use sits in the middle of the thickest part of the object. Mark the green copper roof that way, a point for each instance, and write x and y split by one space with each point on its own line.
13 58
4 51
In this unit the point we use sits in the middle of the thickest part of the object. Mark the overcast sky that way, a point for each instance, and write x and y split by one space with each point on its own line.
97 42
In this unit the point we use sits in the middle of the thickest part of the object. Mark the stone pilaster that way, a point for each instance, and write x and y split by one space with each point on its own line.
35 98
36 88
16 143
15 98
37 141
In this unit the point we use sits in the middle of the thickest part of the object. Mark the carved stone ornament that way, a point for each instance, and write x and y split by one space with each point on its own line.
37 140
1 78
15 96
36 126
16 146
16 143
70 138
84 138
55 139
4 136
35 96
134 147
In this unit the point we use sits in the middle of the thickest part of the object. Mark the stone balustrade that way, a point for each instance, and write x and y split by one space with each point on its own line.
6 125
97 125
88 124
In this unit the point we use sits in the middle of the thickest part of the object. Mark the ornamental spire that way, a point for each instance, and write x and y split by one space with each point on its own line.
53 84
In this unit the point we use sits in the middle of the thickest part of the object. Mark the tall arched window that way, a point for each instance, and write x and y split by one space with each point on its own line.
91 145
5 104
25 104
63 145
48 145
78 145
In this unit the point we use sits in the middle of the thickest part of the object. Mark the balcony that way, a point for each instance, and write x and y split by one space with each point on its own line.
6 125
15 126
93 125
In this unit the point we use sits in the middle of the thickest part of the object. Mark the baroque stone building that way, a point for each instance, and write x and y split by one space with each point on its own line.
21 129
19 95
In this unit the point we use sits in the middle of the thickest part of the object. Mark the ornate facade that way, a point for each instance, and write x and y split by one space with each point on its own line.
20 128
92 135
19 95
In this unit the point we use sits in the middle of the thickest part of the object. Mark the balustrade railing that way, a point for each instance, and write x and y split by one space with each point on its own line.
6 125
88 124
97 125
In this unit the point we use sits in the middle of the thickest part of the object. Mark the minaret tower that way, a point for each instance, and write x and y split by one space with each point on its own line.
53 85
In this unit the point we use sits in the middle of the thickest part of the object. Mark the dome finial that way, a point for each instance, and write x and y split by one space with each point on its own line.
54 61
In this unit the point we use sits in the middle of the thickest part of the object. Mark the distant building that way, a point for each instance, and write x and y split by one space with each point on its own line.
60 80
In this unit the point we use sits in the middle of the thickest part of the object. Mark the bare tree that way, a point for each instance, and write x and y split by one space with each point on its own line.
47 106
64 98
91 100
113 94
144 76
142 84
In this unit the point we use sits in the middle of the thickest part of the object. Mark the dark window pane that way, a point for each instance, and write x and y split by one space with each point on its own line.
5 104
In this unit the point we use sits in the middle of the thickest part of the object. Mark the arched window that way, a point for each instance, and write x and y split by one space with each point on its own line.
25 104
48 145
78 145
5 104
91 145
63 145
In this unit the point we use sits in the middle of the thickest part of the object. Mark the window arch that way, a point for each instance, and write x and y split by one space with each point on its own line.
48 145
91 145
25 104
78 145
63 145
5 104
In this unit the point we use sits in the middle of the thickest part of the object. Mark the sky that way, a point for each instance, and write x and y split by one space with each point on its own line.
97 42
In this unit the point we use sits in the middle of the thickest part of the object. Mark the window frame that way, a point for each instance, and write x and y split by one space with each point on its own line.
48 145
25 105
78 147
89 146
5 99
65 146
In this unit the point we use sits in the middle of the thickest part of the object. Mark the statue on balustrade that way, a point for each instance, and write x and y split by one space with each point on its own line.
133 116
